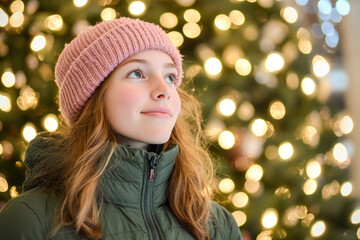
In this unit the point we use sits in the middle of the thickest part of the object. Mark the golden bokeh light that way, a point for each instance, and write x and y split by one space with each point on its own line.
277 110
226 139
38 43
50 122
355 216
213 66
313 169
222 22
255 173
185 3
286 150
346 189
340 153
292 80
226 185
29 132
320 66
3 184
289 14
192 15
252 187
283 192
191 30
227 107
108 14
271 152
237 17
8 79
243 67
5 103
137 8
310 186
305 46
346 124
176 38
168 20
240 217
269 218
17 6
13 192
308 86
246 111
17 19
231 54
259 127
274 62
240 199
4 18
54 22
310 136
80 3
318 229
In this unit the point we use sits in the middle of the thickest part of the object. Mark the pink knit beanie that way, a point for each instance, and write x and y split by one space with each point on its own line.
89 58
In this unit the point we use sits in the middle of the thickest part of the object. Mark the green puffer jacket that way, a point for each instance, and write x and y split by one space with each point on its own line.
134 207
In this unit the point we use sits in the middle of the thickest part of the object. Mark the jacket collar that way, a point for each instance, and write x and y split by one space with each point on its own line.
124 180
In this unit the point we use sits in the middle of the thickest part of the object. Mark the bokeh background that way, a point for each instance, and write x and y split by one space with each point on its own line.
278 81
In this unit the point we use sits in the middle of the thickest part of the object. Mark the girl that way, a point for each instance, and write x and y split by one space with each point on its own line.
130 163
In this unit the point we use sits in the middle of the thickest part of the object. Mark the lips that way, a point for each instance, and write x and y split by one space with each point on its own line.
158 112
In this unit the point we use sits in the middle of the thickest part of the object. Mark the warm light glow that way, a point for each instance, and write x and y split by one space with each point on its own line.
226 185
355 217
237 17
292 80
346 124
240 199
185 3
192 15
222 22
340 153
310 136
255 173
283 192
290 14
320 66
227 107
274 62
4 18
277 110
17 6
305 46
176 38
318 229
191 30
29 132
13 192
240 217
243 67
246 111
8 79
38 43
286 150
168 20
108 14
51 122
313 169
346 189
308 86
310 186
270 218
226 139
54 22
137 8
5 103
213 66
259 127
80 3
3 184
251 186
17 19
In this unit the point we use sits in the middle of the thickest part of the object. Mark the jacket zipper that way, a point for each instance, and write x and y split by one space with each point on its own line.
151 178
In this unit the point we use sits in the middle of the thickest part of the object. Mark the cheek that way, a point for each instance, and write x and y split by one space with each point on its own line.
120 101
176 103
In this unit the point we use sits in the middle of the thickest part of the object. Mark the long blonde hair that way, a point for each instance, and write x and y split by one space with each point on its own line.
91 141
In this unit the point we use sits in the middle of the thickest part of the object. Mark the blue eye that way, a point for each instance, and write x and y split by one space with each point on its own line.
136 74
171 79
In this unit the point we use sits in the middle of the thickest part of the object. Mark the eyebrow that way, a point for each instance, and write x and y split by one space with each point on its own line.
143 61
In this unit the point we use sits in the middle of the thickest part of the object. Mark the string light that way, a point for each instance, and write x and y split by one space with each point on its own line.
176 38
243 67
240 217
277 110
289 14
108 14
226 139
17 6
38 43
192 15
226 185
80 3
54 22
50 122
255 173
292 80
310 187
252 187
340 152
274 62
29 132
3 184
308 86
168 20
346 189
222 22
240 199
213 66
237 17
313 169
185 3
191 30
8 79
17 19
227 107
5 103
318 229
305 46
259 127
355 216
137 8
269 218
4 18
13 192
346 124
246 111
320 66
286 150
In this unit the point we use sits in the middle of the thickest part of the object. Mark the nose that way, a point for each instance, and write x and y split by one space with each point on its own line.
160 89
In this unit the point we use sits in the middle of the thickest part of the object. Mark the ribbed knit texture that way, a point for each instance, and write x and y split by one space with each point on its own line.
89 58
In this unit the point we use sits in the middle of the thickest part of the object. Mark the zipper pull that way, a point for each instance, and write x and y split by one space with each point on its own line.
153 165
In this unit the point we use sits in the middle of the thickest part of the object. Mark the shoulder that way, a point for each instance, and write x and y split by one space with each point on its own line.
27 216
222 223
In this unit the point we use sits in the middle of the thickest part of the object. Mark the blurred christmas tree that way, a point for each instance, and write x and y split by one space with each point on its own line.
283 164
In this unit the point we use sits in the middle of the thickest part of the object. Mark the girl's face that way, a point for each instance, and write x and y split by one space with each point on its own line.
141 100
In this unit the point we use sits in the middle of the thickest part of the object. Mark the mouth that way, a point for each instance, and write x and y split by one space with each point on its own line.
158 112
